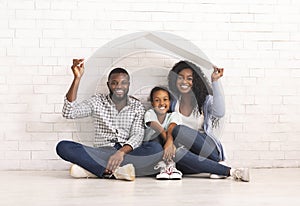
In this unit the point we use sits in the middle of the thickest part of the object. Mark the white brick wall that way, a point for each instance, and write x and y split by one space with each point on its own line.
258 43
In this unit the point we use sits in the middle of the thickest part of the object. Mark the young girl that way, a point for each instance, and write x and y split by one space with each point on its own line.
160 123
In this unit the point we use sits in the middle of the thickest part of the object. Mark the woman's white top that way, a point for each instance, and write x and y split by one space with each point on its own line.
195 120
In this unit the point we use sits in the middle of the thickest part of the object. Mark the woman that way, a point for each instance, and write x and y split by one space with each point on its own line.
201 107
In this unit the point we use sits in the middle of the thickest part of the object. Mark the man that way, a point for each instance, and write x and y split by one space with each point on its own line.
119 131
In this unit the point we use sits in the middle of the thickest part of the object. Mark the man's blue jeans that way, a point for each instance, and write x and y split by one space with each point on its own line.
198 154
95 159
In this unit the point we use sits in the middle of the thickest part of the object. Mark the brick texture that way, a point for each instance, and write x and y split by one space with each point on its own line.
257 42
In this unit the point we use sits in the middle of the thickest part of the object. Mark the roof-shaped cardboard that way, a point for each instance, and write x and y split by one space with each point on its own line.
148 55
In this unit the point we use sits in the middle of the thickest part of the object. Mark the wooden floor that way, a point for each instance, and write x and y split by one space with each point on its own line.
267 187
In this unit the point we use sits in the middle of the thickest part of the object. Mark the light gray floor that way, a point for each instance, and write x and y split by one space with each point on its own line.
267 187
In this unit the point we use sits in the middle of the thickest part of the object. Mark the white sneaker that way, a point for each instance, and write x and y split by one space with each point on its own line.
163 175
126 172
241 174
78 172
174 174
168 171
215 176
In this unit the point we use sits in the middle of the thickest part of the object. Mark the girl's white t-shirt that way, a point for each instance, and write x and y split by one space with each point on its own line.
150 116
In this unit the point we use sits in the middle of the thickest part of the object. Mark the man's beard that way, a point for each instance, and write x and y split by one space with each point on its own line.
116 97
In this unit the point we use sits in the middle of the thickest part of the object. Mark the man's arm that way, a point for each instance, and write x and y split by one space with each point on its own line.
116 159
136 136
71 108
137 129
78 69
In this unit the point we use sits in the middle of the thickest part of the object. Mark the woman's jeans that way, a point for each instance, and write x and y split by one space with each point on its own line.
196 152
95 159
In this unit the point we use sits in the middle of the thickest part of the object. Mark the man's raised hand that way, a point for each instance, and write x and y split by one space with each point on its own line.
78 67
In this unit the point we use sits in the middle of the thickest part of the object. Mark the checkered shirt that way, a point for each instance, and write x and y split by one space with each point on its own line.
111 126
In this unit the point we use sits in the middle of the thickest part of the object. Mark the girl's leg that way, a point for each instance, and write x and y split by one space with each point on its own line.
89 158
196 142
190 163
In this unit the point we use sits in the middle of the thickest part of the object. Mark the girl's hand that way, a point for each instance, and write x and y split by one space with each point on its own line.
217 74
169 151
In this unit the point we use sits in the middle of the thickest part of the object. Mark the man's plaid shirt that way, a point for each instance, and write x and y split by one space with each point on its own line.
125 127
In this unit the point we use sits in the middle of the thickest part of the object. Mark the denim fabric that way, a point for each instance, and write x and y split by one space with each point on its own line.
95 160
214 110
190 163
197 152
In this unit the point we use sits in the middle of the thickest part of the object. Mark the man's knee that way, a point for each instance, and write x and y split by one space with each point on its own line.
59 147
62 148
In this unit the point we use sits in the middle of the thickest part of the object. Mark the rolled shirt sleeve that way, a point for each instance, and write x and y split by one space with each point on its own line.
72 110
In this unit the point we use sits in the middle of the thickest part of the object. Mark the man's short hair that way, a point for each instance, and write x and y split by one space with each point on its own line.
118 70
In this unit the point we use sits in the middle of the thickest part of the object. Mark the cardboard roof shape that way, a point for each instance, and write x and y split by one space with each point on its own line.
170 42
104 59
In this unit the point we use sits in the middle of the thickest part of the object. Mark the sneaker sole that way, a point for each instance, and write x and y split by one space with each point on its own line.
214 176
78 172
176 177
246 176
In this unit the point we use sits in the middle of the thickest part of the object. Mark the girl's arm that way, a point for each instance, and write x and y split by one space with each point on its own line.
158 128
169 147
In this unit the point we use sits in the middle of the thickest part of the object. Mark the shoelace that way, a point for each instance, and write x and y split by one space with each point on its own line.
164 169
171 169
160 165
237 174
